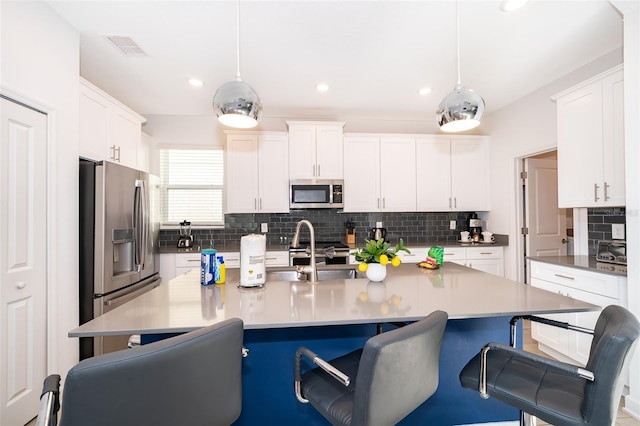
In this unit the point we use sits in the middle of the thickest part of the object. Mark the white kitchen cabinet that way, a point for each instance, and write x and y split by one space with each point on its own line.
592 287
108 130
256 166
452 174
315 150
591 166
483 258
418 254
380 173
174 264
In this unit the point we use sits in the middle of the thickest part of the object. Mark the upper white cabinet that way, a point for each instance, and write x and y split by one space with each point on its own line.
453 174
379 173
109 130
591 169
256 172
315 150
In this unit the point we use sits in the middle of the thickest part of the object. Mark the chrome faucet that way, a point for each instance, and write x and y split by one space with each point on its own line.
310 269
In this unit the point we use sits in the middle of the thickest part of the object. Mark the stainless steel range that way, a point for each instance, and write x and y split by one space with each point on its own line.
328 252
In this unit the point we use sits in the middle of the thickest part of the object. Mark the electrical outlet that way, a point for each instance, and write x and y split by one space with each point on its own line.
264 227
378 224
617 231
452 224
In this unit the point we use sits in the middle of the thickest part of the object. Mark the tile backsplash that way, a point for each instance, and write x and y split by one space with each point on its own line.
329 224
599 224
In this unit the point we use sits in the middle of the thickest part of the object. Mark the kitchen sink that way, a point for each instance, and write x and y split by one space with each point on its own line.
323 275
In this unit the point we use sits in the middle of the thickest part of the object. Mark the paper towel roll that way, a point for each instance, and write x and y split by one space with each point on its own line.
253 250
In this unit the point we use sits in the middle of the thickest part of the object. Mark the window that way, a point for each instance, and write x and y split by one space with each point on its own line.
192 184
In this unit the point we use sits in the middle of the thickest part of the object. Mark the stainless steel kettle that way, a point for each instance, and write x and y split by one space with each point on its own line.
377 233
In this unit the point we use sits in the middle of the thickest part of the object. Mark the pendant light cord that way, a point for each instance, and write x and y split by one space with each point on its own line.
238 78
457 41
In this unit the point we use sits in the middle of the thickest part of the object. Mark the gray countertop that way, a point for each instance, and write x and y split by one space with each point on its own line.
408 293
588 263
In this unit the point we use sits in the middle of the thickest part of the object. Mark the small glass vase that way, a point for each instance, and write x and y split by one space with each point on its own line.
376 272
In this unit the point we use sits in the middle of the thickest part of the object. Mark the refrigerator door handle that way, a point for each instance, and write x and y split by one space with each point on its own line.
138 213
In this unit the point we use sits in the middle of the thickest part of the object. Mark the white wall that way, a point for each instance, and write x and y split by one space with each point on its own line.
526 127
39 63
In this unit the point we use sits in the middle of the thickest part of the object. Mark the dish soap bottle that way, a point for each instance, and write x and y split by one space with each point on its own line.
222 271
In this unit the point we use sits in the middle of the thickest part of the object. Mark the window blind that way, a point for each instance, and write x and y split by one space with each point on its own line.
192 185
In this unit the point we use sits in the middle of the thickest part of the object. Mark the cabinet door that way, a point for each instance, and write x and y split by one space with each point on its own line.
580 173
418 254
273 181
470 172
302 152
362 174
94 125
613 140
126 134
398 174
433 175
167 266
329 152
241 186
491 266
553 337
277 258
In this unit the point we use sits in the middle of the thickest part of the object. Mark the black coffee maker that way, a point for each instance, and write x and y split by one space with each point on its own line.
475 227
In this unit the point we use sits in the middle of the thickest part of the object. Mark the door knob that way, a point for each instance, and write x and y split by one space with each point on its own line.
564 241
21 285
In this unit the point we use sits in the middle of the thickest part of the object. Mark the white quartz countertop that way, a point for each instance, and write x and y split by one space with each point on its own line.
408 293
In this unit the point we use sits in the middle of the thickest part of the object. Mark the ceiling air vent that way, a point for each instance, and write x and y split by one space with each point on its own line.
125 45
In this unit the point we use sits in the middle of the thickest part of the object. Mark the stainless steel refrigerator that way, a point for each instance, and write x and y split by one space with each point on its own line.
119 226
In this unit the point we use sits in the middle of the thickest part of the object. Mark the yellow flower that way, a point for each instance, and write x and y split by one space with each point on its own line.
362 267
395 261
384 259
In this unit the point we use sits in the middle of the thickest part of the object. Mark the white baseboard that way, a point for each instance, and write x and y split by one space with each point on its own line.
631 407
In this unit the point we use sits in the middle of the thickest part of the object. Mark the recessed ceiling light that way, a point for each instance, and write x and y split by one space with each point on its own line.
195 82
322 87
425 91
512 5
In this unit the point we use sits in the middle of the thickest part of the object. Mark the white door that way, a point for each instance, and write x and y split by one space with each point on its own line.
23 261
546 223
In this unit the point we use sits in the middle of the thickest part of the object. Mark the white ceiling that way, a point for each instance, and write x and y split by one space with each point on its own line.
375 55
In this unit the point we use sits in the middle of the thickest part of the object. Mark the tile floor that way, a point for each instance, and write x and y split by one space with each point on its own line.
531 345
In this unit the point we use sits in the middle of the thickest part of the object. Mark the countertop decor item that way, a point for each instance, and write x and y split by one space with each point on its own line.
236 103
375 256
462 109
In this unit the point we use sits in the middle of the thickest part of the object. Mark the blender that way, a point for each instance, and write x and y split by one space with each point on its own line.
186 239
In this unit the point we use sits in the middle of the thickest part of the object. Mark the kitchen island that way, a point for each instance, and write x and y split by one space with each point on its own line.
335 316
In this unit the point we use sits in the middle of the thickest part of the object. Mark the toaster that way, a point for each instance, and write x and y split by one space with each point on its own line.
612 252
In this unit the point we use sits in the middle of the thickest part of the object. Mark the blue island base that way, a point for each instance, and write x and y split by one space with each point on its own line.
269 399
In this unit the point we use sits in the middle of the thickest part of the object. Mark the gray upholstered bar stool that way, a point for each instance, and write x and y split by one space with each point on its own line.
382 383
191 379
559 393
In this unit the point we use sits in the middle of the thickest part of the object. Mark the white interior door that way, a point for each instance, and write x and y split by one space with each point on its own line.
546 223
23 262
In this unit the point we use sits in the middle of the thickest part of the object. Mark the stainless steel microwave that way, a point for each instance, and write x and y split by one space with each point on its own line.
316 194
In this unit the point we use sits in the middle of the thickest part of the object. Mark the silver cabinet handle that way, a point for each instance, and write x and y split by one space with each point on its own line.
595 192
384 202
606 191
564 276
455 202
118 151
318 170
255 204
260 203
449 202
313 170
194 260
486 252
378 202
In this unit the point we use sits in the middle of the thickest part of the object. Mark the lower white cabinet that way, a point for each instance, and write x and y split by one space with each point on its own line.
592 287
174 264
486 259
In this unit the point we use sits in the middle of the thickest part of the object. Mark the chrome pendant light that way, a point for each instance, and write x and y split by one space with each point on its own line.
461 109
236 103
